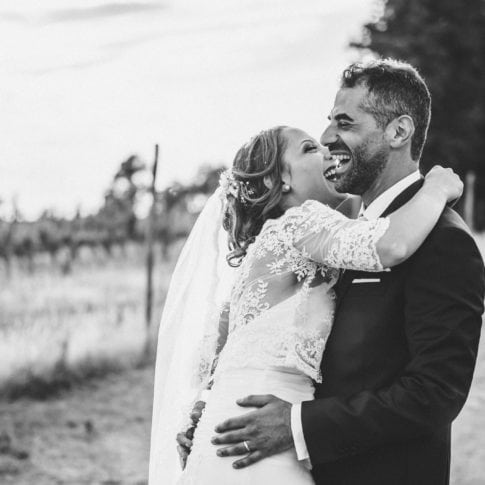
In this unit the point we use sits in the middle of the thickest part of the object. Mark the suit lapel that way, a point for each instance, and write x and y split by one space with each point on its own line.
405 196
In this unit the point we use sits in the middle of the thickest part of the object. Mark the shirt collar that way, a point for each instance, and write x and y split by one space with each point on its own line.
381 203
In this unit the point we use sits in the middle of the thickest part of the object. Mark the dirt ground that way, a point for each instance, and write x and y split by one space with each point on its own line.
99 434
95 434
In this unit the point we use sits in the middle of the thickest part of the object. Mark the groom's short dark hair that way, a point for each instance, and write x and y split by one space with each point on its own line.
395 89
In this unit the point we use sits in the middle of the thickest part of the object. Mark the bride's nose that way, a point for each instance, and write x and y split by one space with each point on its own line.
326 153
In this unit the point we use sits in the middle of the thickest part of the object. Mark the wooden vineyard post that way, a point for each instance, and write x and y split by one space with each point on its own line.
149 255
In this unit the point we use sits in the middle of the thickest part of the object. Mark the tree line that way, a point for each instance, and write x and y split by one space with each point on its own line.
114 225
445 40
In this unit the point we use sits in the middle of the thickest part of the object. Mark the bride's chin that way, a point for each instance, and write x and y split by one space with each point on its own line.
330 195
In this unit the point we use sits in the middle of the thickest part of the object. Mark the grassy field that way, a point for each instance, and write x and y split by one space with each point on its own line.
96 431
57 327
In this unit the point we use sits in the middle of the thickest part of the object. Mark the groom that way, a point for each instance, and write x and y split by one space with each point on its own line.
399 362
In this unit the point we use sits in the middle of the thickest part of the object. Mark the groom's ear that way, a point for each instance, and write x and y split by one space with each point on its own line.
400 131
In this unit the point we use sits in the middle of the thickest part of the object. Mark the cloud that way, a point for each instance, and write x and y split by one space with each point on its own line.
71 66
85 13
13 17
101 11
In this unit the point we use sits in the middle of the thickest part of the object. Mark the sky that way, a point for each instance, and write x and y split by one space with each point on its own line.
84 84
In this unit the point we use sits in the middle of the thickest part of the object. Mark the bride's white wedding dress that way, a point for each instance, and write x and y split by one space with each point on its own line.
280 315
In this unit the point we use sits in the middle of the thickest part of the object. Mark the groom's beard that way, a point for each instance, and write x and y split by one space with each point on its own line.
366 168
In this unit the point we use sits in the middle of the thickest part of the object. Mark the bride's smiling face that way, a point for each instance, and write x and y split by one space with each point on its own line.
305 163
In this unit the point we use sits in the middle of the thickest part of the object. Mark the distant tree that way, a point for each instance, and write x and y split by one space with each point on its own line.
8 233
117 217
445 40
25 246
49 235
126 190
179 205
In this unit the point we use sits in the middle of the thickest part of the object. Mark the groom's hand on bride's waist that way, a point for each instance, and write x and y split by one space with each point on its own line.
184 438
257 434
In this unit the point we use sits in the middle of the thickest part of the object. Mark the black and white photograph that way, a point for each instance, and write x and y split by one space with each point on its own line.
242 242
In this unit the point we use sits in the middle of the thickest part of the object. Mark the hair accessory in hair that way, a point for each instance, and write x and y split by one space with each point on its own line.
237 188
248 189
229 184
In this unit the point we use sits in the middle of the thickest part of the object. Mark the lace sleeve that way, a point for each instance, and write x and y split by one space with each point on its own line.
327 236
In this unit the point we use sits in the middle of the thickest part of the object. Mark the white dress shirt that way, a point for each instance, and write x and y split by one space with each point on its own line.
381 203
373 211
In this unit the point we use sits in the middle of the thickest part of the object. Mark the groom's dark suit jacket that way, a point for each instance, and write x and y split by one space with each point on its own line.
398 365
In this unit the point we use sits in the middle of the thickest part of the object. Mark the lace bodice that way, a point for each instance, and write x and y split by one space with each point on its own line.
282 304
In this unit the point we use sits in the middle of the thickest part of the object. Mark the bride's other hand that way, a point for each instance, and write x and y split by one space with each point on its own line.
257 434
184 438
444 181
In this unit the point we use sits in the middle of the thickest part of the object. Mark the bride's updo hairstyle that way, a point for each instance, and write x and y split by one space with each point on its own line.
253 190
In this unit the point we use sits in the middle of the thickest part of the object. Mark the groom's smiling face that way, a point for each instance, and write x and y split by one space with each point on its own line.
356 141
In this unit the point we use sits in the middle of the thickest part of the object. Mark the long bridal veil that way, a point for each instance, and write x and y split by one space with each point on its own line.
200 284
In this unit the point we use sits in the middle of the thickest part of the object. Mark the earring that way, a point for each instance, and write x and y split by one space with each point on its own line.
285 188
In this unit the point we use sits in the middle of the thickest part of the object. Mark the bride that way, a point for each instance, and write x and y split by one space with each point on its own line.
259 324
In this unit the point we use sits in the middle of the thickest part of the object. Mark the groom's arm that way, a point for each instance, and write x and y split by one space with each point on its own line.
444 304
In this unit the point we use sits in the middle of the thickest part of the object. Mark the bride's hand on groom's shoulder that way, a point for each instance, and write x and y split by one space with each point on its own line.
184 438
257 434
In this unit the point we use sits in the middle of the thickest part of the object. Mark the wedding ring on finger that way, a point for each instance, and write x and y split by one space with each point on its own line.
246 445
